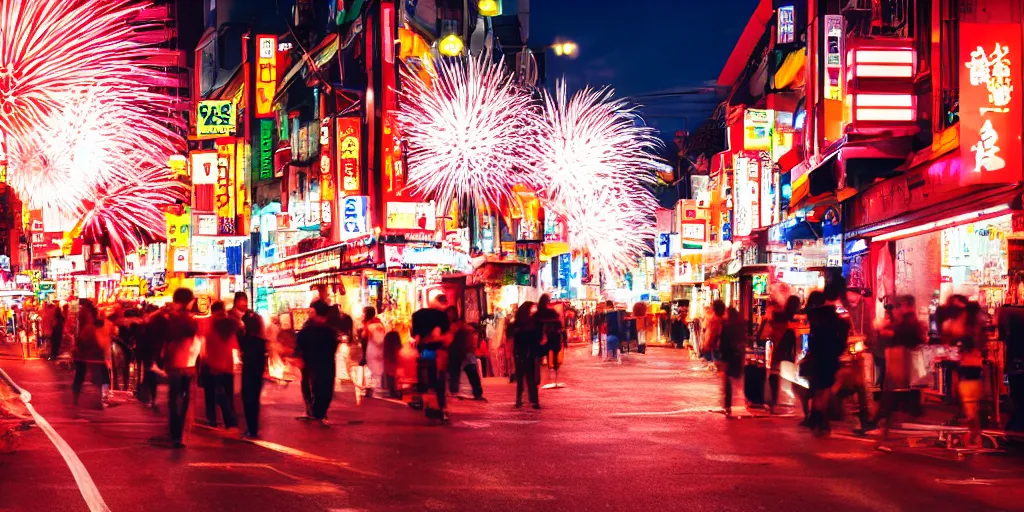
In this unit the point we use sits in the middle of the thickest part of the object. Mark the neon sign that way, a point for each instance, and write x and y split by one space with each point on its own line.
990 123
266 75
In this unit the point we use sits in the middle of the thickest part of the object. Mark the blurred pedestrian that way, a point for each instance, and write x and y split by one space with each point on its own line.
966 331
906 334
317 344
392 349
252 345
713 331
732 352
218 359
57 334
827 342
181 352
615 330
526 350
550 323
782 334
431 329
91 352
373 333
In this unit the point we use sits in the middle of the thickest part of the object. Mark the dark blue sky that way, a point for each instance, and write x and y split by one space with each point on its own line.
643 46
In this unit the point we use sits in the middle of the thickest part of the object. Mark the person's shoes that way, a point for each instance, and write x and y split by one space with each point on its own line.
250 435
325 423
866 428
177 445
536 406
806 422
519 405
728 412
212 424
479 399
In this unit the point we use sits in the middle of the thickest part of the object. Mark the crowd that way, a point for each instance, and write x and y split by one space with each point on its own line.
833 369
172 345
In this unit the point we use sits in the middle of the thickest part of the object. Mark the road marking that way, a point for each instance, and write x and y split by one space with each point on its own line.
676 412
86 486
311 457
968 481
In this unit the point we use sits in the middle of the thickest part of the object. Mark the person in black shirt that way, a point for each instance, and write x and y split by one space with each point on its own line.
316 344
431 329
526 351
252 345
550 323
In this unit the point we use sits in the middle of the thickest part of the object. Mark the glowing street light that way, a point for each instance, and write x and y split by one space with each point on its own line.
565 49
451 45
489 7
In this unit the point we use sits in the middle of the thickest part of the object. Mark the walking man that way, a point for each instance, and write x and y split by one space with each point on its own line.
317 344
180 354
252 344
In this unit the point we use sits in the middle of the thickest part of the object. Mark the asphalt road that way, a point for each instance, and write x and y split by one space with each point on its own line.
643 435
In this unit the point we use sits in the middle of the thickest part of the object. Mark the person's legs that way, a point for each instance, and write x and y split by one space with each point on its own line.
209 384
727 392
775 383
307 389
533 380
178 396
520 380
225 393
473 376
55 340
454 378
78 380
323 391
252 386
970 395
442 394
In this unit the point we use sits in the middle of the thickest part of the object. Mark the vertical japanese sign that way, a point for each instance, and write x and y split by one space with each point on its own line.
328 188
394 166
265 160
223 198
242 164
266 75
348 154
769 181
746 202
787 25
990 110
834 42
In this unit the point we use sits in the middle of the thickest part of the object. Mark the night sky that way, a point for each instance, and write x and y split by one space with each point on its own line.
644 46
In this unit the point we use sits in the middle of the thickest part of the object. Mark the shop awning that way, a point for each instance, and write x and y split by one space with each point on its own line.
820 180
973 207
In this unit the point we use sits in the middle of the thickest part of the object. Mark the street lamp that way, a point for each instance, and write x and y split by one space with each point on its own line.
451 45
565 49
489 8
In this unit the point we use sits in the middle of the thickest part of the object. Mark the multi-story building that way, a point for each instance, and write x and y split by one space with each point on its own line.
887 140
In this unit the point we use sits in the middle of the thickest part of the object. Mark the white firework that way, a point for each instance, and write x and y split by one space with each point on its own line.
470 131
596 164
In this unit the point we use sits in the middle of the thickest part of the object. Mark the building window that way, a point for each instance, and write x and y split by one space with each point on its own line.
949 67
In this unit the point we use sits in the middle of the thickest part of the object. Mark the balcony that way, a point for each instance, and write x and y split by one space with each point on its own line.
879 18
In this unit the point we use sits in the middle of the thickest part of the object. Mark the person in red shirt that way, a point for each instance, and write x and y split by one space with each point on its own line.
218 356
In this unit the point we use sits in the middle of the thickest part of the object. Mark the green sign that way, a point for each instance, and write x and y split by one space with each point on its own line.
265 162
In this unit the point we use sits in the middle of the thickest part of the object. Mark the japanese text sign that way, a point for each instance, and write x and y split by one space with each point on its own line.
266 75
348 153
990 106
215 118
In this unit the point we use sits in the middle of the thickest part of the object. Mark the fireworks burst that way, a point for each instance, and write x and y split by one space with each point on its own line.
470 130
596 165
83 114
128 213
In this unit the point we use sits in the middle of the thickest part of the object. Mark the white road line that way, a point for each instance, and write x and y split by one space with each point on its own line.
86 486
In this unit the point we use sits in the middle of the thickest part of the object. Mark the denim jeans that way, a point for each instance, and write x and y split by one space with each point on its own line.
179 395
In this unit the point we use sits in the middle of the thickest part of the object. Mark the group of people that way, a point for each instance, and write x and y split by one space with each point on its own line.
536 332
899 335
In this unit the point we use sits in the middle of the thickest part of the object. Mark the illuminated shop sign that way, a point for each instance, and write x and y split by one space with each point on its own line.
787 25
224 191
354 221
204 167
328 192
265 159
757 129
215 118
990 112
746 207
834 46
266 75
411 216
348 143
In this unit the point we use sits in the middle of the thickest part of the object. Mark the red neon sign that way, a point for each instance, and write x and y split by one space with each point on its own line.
990 105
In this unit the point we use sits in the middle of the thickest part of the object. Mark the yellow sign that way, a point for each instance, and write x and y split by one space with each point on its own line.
266 75
179 228
215 118
223 197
